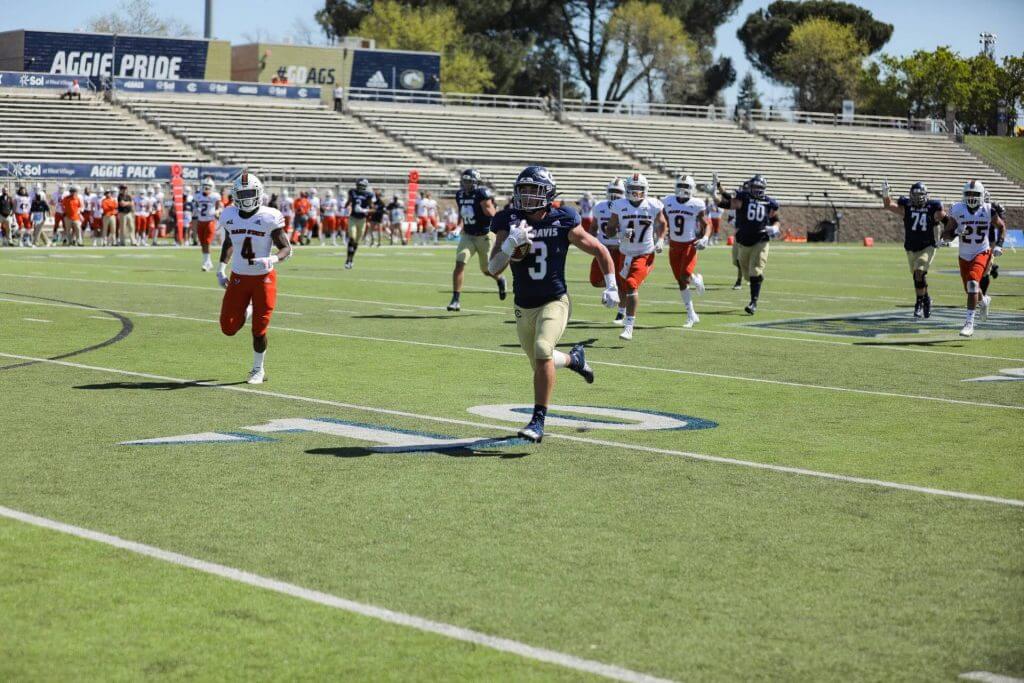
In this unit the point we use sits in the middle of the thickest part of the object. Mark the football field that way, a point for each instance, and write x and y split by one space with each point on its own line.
816 492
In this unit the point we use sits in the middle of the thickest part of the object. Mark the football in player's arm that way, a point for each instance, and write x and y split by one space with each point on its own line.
535 237
642 225
757 222
476 209
252 284
922 218
981 231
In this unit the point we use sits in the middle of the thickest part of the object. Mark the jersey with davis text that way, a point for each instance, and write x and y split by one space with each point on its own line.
919 223
540 277
361 202
636 225
682 216
973 228
474 220
603 214
206 207
752 218
250 237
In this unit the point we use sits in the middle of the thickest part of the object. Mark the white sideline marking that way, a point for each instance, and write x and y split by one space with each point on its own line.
988 677
103 317
649 368
326 599
37 320
504 429
338 310
507 310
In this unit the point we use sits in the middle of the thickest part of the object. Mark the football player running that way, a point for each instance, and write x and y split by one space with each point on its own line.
640 221
921 219
476 209
614 191
207 206
757 222
252 284
359 203
973 220
688 233
535 237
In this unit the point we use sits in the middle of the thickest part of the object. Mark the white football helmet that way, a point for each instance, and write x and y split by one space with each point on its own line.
247 192
636 188
329 194
312 192
686 187
207 186
974 194
615 189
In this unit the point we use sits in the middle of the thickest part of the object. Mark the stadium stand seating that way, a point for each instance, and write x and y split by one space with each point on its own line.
289 142
869 155
701 147
500 142
41 127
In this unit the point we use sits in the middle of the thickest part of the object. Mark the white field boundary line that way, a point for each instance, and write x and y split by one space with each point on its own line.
326 599
647 368
489 310
566 437
989 677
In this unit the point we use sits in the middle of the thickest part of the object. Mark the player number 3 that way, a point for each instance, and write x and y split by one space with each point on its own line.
540 261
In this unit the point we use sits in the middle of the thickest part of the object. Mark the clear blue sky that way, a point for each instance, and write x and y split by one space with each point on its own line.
919 24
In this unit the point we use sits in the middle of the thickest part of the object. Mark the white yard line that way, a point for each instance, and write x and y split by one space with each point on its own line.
37 320
326 599
500 311
988 677
504 429
648 368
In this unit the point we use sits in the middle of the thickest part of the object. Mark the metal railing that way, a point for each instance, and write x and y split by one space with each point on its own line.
644 109
910 123
391 95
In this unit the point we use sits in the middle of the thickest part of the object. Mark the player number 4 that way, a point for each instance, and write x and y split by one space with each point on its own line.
247 253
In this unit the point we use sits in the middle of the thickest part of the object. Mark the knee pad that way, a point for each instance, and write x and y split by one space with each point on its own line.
542 350
973 287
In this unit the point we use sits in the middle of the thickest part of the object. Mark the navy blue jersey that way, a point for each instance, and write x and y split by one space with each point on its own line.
474 221
540 277
752 218
919 223
361 202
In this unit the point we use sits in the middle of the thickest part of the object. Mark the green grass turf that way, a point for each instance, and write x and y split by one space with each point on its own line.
1006 154
654 562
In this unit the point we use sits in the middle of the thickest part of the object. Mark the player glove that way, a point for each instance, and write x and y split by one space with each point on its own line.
885 188
997 251
943 243
517 237
610 295
659 246
265 261
702 243
222 275
773 232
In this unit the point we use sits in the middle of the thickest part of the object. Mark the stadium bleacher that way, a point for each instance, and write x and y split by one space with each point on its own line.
869 155
294 142
500 142
702 147
40 126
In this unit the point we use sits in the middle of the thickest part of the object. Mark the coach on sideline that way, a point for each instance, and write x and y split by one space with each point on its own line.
125 215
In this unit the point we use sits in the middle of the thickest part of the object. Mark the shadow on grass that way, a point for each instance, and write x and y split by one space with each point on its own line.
362 452
156 386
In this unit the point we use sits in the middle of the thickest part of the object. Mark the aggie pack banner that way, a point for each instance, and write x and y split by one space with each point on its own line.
196 87
126 172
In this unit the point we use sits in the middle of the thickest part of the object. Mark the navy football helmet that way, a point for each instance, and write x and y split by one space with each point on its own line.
534 189
363 185
918 194
758 187
470 179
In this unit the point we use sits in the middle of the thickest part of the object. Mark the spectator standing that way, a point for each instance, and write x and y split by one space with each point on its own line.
125 216
339 98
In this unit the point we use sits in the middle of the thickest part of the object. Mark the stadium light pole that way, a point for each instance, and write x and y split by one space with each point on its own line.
208 20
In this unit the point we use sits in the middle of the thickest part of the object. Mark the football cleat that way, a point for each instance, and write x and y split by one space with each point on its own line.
926 306
455 306
578 363
207 266
627 333
919 308
968 329
620 318
348 265
691 320
502 288
256 376
737 285
751 308
534 431
697 280
983 304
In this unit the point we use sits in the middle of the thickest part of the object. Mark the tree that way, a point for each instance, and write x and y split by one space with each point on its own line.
138 17
650 45
748 97
399 27
766 32
822 62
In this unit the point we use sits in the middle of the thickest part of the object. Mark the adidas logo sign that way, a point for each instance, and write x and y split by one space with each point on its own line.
377 81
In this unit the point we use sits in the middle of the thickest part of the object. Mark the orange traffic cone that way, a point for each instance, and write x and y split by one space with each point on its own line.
869 241
729 240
